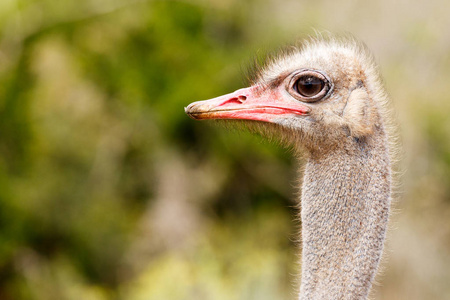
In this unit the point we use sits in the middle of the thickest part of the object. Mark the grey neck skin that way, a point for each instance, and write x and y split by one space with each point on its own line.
345 208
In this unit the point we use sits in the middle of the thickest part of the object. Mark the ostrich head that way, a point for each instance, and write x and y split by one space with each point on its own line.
326 97
315 96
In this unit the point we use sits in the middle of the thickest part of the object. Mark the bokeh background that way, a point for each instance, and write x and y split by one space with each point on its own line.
109 191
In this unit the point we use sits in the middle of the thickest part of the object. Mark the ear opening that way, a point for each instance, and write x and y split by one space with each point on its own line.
359 113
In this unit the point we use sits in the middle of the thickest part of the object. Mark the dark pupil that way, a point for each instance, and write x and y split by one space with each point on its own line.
309 86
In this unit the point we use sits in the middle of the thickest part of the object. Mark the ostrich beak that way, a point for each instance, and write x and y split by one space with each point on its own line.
252 103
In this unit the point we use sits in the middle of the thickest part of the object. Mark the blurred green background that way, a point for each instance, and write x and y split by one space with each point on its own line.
109 191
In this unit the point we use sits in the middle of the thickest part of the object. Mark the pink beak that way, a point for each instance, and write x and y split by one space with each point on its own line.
247 104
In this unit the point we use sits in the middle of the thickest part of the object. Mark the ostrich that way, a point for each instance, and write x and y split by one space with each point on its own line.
325 99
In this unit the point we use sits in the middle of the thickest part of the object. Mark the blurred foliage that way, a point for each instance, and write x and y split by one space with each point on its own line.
108 191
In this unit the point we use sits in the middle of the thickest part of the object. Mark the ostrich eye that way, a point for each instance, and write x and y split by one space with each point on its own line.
309 86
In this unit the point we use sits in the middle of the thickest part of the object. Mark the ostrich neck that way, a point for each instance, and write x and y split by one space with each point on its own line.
345 207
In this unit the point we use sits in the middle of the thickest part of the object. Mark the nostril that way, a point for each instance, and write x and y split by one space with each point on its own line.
235 100
242 98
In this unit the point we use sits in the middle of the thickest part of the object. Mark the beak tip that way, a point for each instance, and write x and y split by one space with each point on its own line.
188 109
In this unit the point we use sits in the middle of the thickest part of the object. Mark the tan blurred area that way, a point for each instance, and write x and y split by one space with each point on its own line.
109 191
